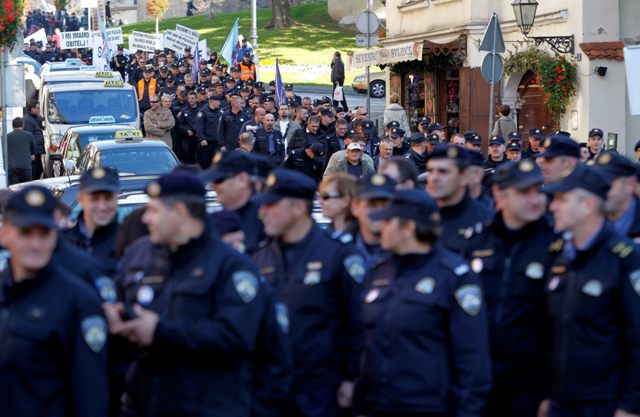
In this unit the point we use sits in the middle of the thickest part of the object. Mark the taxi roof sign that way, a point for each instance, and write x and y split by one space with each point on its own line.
73 61
104 74
101 119
125 134
113 83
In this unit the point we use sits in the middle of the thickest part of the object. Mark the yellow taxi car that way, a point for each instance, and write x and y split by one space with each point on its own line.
377 85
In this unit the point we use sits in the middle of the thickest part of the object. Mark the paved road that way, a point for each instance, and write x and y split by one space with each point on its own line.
353 99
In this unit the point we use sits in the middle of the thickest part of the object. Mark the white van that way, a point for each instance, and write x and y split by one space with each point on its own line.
66 105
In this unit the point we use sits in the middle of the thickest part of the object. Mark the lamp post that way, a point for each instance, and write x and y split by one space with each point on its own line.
525 11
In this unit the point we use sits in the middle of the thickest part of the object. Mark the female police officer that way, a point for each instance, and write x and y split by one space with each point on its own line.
427 345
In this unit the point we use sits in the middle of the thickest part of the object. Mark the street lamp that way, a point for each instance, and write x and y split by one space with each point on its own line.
525 11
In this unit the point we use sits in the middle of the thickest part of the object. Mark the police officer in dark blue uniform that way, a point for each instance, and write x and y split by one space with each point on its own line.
427 350
96 229
446 183
309 161
207 122
512 259
369 132
623 206
187 128
53 358
417 152
594 303
319 279
535 138
475 175
196 324
231 180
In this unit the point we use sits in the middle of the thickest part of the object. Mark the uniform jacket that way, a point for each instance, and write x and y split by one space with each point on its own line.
299 161
319 280
207 124
427 348
338 163
513 267
461 221
187 120
419 160
102 245
262 146
53 358
211 305
229 128
158 125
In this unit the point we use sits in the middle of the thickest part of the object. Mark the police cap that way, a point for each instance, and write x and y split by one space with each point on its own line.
272 83
520 175
327 112
288 87
227 165
392 124
325 100
514 146
612 165
584 177
31 206
514 137
560 145
496 140
100 179
475 139
396 133
368 126
435 126
596 132
318 151
452 152
424 121
176 184
410 204
375 187
286 183
417 137
536 133
468 134
433 139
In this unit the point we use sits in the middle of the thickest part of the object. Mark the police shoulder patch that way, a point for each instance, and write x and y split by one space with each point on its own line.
634 277
94 332
354 264
469 297
246 285
282 317
106 289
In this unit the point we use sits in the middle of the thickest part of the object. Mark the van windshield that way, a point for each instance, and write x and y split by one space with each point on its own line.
76 107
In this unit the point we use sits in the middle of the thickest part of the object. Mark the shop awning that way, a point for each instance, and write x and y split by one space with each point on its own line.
409 51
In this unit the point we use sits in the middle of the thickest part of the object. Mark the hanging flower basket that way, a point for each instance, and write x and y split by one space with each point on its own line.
556 75
11 21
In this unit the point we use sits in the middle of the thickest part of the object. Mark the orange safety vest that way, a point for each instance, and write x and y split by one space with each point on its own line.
247 72
152 88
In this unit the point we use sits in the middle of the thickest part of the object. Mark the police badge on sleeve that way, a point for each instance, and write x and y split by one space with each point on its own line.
246 285
282 316
469 297
94 332
354 265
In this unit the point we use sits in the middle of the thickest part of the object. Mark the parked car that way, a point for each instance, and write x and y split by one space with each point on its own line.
377 85
130 155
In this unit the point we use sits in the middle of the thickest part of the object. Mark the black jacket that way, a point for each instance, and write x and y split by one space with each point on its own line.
187 120
207 123
319 280
229 128
462 221
427 348
34 124
337 72
594 301
54 357
211 305
299 161
262 145
102 245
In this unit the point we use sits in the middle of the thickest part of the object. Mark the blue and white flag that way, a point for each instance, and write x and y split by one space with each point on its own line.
229 49
196 61
105 39
280 97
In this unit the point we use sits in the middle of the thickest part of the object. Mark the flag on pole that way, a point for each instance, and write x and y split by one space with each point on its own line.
280 97
196 62
105 40
230 46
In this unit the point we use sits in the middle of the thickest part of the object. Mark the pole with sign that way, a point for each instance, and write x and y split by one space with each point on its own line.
254 36
367 23
492 64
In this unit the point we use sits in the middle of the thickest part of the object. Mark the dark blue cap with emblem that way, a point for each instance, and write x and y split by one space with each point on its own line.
176 184
31 206
515 137
612 165
368 126
596 132
375 187
417 137
475 139
475 158
424 121
435 126
496 140
396 133
100 179
536 133
433 139
228 164
410 204
513 146
560 145
392 124
519 175
286 183
447 151
468 134
583 177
